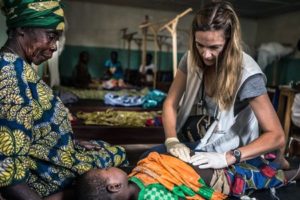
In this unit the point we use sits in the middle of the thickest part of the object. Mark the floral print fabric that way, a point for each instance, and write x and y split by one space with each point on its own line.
254 174
36 138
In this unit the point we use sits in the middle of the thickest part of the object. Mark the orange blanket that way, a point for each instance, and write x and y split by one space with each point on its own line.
174 174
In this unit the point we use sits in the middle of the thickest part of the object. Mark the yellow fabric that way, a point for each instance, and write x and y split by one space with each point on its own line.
112 117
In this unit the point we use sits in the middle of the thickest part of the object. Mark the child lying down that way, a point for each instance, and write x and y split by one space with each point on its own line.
165 177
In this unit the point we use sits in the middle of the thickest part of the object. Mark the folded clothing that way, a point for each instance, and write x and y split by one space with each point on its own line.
154 98
67 97
116 100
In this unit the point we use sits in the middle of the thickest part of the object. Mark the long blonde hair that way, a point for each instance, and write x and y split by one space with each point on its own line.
214 17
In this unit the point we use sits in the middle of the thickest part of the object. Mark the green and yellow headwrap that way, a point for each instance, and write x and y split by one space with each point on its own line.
33 13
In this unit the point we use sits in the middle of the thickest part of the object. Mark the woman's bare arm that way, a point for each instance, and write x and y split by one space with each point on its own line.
171 104
272 137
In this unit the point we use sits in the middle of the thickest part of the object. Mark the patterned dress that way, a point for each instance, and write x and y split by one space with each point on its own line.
118 74
36 138
255 174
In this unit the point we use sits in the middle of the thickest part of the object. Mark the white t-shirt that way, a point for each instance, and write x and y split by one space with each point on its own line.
149 76
148 67
296 110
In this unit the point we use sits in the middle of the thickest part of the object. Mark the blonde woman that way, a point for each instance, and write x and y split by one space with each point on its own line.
215 77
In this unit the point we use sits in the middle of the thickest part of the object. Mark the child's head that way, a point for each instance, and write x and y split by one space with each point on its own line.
114 56
84 56
104 184
148 59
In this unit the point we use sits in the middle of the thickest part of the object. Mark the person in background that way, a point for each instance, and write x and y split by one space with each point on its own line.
81 74
114 69
39 155
217 79
296 110
297 50
160 176
147 72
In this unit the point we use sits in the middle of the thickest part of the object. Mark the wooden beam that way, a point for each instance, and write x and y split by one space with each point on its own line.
128 37
171 27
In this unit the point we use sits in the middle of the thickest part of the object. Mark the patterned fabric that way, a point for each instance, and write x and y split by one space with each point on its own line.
99 94
112 117
33 13
253 175
153 191
173 175
125 100
158 192
219 181
36 139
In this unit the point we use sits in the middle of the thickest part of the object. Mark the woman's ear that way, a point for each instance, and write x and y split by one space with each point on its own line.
114 187
20 31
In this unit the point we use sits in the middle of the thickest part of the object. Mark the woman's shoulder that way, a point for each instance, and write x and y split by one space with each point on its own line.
249 62
183 62
10 61
249 65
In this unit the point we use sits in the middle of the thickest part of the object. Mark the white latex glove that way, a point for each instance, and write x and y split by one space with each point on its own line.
206 160
178 149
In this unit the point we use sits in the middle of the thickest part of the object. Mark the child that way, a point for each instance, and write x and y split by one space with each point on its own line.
114 69
161 176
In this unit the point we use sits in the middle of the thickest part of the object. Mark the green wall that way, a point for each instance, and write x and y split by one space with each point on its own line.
98 55
283 72
3 28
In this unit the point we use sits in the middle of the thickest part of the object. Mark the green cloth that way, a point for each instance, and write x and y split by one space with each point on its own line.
153 191
33 13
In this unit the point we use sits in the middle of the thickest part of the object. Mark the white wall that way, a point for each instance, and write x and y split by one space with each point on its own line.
92 24
249 32
98 25
283 28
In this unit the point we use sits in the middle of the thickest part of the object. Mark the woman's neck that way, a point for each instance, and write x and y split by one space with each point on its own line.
210 79
13 46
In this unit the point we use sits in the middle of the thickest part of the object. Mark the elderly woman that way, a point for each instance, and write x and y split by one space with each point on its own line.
38 155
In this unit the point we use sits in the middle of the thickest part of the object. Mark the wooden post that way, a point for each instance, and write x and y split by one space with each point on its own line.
284 112
144 41
128 37
161 40
138 42
123 31
171 27
154 30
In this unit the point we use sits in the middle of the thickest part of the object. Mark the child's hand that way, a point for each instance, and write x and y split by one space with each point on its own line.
112 70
